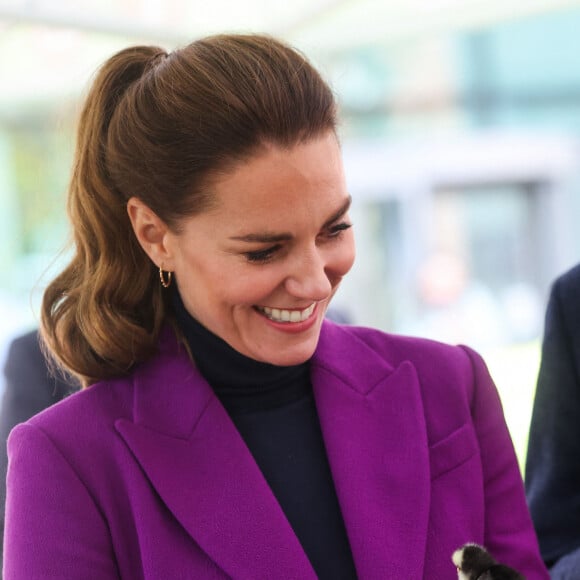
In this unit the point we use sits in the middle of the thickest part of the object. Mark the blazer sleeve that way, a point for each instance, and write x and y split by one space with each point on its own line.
28 389
54 529
509 532
553 457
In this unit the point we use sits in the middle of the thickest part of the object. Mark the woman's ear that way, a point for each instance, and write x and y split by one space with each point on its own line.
151 232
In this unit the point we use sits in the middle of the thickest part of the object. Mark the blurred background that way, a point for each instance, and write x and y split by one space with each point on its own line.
461 138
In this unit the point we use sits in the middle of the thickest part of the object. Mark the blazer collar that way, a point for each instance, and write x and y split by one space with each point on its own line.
201 468
373 425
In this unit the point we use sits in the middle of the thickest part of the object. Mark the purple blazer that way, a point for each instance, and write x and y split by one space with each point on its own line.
146 477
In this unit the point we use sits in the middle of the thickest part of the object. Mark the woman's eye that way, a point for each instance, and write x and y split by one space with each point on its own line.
337 229
261 256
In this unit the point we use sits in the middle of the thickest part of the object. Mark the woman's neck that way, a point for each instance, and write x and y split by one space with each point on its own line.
241 383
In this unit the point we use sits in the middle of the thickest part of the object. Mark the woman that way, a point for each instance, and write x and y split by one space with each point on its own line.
228 430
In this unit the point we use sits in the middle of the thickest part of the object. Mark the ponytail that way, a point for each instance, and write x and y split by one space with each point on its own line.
94 315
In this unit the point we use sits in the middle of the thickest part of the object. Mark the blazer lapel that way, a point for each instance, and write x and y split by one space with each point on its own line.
373 425
202 470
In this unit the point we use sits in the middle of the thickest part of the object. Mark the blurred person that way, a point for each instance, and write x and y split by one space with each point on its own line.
453 305
29 387
552 474
226 429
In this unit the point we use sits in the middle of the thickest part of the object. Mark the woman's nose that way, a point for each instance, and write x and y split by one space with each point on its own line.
308 278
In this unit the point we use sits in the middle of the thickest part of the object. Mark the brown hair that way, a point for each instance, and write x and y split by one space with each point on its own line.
159 126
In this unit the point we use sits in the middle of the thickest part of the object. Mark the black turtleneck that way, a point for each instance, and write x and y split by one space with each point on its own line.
273 409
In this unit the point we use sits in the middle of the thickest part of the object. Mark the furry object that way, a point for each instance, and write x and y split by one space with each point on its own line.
474 562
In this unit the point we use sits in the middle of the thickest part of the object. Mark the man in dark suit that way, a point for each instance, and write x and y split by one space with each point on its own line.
553 460
29 388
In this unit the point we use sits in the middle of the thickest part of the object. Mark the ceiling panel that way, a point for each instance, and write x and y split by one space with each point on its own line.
60 43
329 24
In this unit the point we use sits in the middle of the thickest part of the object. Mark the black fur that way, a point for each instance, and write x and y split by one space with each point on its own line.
476 563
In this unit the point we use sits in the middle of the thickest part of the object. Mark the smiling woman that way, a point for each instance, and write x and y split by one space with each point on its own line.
226 429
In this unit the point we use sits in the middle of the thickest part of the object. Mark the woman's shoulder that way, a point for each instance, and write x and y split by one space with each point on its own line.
94 408
106 401
445 372
451 380
397 348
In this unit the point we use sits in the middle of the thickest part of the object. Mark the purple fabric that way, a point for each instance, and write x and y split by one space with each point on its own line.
147 477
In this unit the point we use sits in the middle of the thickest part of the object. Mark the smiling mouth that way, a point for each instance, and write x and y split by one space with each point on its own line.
281 315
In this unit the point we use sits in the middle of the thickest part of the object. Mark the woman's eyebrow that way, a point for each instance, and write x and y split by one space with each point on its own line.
272 238
263 237
338 214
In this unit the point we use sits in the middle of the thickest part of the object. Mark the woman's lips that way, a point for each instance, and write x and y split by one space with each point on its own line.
287 316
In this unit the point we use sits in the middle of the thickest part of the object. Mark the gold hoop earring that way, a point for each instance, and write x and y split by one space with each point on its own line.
164 278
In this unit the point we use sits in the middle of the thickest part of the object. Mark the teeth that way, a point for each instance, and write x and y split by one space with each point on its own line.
279 315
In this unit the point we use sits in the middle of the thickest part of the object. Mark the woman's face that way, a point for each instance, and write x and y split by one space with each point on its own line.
260 268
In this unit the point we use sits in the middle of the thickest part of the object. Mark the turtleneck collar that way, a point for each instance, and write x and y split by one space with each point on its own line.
241 383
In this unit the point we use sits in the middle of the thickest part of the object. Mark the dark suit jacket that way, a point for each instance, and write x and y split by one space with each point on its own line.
553 459
28 389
